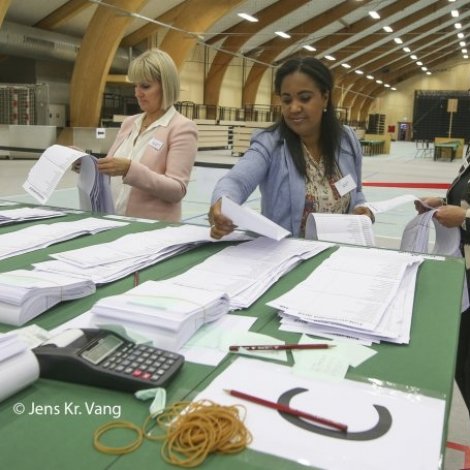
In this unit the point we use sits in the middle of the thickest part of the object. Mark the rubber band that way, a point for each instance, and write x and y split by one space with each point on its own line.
189 432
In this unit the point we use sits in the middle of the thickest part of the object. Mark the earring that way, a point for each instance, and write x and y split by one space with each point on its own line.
324 110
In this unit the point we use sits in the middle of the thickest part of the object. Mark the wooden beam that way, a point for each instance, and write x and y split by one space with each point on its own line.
4 4
63 14
94 59
196 16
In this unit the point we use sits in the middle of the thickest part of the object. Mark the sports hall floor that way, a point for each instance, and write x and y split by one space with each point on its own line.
405 164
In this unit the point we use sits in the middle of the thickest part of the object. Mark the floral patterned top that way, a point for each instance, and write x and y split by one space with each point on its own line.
321 194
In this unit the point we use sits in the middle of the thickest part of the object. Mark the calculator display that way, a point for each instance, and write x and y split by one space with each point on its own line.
102 348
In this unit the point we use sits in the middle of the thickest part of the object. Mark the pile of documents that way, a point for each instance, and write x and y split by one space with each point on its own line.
26 294
361 293
108 262
42 235
44 176
162 311
247 270
18 365
27 213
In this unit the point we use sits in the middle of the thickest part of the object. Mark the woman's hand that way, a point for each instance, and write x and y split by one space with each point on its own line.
220 225
114 166
450 216
426 203
363 210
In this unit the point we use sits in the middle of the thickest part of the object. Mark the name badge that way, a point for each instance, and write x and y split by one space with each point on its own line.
156 144
345 185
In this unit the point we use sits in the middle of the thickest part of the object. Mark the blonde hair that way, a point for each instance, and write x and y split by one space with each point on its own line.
157 65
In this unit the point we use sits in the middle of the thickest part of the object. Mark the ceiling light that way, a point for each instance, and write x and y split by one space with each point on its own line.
379 82
393 88
460 35
359 72
388 29
464 51
465 56
428 73
374 15
387 85
346 66
455 13
282 34
414 56
248 17
458 26
407 49
424 69
398 40
419 63
309 48
462 44
330 57
370 77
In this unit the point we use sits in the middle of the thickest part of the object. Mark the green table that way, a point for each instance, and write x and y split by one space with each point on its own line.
372 147
58 441
440 146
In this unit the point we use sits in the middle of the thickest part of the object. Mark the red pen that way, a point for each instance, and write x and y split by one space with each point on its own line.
280 347
288 409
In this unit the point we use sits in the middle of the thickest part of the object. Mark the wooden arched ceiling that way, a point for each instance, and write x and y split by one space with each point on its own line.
236 37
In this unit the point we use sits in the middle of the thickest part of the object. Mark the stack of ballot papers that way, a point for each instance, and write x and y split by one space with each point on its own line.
44 176
27 213
26 294
108 262
43 235
168 314
18 365
359 293
340 228
247 270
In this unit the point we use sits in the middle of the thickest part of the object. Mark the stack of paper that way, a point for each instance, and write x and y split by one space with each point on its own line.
44 176
357 292
42 235
340 228
26 294
18 365
246 271
166 313
27 213
111 261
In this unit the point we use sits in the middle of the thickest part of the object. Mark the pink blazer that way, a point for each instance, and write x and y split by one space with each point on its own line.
160 179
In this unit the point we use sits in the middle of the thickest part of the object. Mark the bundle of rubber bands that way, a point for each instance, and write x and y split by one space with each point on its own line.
190 431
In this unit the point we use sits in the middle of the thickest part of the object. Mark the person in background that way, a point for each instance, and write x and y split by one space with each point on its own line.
154 151
307 162
454 211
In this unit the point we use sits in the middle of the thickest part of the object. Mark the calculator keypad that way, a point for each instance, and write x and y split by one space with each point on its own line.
142 362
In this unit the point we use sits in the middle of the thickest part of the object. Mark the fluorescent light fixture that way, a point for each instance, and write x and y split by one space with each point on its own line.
458 26
346 66
414 56
428 73
393 88
248 17
465 56
424 69
455 13
462 43
330 57
374 15
460 35
370 77
419 63
379 82
359 72
387 85
407 49
398 40
309 48
388 29
282 34
464 51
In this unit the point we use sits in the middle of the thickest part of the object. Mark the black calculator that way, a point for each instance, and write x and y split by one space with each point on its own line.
99 357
